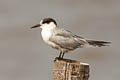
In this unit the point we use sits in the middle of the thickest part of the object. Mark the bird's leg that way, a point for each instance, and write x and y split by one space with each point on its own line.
60 55
63 55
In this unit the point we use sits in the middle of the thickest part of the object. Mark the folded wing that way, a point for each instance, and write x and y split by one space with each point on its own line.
67 39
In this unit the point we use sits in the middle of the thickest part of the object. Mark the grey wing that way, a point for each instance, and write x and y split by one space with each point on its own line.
66 39
66 33
74 35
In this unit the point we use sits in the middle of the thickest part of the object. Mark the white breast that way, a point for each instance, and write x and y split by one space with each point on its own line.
46 34
47 31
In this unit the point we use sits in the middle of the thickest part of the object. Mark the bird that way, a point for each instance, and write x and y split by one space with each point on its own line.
64 40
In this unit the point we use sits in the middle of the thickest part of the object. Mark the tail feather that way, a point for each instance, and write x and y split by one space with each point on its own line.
98 43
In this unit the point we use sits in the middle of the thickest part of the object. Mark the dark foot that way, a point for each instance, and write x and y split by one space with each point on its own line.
58 58
61 55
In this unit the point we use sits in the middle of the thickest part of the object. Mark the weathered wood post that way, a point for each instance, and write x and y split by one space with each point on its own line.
67 69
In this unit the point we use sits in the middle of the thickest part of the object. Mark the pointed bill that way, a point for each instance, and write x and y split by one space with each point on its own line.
35 26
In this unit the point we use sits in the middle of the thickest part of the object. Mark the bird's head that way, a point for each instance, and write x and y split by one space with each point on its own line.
46 23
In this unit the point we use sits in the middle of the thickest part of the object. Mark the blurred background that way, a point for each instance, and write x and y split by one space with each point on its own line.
24 56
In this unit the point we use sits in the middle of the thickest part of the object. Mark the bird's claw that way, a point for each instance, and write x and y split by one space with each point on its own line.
58 58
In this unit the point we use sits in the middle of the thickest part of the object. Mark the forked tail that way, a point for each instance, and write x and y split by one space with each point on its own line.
98 43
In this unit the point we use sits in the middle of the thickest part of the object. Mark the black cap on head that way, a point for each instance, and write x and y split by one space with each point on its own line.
45 21
48 20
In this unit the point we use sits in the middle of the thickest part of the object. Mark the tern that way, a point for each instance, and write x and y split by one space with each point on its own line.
64 40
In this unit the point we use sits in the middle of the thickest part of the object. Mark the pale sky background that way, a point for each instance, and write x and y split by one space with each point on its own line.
24 56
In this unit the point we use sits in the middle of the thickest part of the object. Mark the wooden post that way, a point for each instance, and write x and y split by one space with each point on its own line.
67 69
